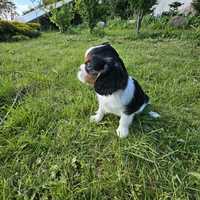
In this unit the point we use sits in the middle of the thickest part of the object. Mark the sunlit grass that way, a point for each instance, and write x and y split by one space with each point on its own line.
48 148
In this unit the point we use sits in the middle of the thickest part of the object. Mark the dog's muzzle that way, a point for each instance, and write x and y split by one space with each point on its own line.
82 74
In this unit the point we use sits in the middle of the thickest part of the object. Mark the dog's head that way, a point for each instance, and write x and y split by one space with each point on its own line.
103 69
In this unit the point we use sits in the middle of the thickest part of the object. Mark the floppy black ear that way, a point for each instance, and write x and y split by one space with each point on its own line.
111 79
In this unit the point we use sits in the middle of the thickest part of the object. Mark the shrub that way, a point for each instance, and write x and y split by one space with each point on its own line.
33 33
92 11
119 23
194 21
197 34
140 8
88 10
159 22
62 17
19 38
8 29
119 8
35 26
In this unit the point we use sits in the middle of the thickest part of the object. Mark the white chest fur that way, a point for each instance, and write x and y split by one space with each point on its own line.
116 102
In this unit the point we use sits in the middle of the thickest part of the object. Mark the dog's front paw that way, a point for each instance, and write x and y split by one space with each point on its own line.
96 118
122 132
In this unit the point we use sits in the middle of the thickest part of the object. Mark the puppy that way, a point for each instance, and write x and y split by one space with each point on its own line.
117 93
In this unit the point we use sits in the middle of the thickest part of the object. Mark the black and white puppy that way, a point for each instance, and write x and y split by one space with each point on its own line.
117 93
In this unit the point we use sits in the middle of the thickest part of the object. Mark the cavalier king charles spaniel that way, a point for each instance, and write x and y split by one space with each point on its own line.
117 93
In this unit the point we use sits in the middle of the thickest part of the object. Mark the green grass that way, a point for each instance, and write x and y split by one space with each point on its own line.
48 148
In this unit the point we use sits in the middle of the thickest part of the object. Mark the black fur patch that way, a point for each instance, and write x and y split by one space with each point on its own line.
113 78
105 60
138 100
107 51
95 65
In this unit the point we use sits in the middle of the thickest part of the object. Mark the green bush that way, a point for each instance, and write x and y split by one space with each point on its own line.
159 22
119 8
19 38
34 26
91 12
197 34
9 29
117 22
194 21
62 17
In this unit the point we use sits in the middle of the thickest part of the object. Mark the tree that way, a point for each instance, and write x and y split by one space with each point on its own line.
92 11
119 8
141 8
62 17
47 2
6 7
196 6
89 11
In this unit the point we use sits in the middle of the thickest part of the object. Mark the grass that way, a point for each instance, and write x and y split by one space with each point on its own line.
48 148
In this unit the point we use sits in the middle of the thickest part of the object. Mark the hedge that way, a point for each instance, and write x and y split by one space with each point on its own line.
11 29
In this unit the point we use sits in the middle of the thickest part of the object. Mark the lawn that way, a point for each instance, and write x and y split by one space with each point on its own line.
50 150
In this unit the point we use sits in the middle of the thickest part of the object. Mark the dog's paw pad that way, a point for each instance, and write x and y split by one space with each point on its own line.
122 132
95 118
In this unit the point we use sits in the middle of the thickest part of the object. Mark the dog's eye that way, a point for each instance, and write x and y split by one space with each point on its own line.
90 70
88 67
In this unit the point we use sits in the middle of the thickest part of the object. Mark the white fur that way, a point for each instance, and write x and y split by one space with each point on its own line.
115 104
82 74
90 49
154 114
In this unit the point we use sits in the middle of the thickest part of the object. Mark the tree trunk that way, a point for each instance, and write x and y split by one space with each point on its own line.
139 21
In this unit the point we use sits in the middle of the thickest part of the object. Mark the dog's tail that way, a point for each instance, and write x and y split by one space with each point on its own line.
154 114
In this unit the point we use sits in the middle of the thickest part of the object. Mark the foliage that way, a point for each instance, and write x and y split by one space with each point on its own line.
159 28
16 38
47 2
34 26
163 21
194 21
141 8
118 8
89 10
6 6
62 17
8 29
157 22
118 23
196 6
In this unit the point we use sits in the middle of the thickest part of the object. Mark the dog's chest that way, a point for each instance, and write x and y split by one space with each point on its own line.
111 104
117 102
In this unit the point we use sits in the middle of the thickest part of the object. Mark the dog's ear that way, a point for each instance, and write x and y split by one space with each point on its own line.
112 78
